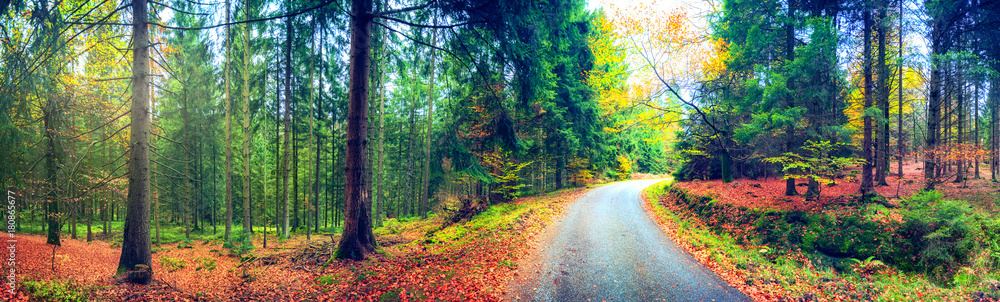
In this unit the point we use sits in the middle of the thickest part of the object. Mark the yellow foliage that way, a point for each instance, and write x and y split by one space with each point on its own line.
913 83
624 167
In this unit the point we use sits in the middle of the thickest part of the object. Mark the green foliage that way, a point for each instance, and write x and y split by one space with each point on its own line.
390 296
328 280
243 244
819 165
172 264
206 263
56 290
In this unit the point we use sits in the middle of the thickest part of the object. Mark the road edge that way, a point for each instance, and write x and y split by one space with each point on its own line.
725 271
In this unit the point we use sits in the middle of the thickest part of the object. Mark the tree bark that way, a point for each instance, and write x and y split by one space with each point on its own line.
933 109
229 141
51 168
288 120
246 121
314 140
867 186
882 149
380 194
135 238
357 240
975 117
899 118
408 203
790 101
430 120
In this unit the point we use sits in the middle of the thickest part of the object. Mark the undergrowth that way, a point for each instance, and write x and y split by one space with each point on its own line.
929 248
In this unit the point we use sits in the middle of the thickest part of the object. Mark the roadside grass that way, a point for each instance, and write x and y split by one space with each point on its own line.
768 270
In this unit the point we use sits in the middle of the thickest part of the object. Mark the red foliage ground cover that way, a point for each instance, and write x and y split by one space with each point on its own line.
769 192
476 267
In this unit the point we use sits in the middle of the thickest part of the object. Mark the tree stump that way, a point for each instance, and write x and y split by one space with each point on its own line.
141 274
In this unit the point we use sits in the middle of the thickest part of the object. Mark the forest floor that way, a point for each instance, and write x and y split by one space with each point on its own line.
471 260
769 192
779 248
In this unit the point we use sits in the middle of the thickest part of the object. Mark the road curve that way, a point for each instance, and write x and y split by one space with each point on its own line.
606 247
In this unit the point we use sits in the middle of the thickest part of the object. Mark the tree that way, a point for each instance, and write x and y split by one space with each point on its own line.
136 253
357 239
229 140
246 123
867 183
431 96
288 126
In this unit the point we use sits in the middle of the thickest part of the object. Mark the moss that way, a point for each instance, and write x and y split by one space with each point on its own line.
56 290
172 264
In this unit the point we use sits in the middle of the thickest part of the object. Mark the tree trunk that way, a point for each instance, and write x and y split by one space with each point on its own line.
560 163
295 175
991 101
882 150
789 102
867 186
357 240
288 120
408 203
229 141
51 173
246 121
899 118
430 120
933 110
312 135
975 117
961 136
380 194
135 238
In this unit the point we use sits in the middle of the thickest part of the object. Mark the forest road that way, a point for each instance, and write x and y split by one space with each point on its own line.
607 248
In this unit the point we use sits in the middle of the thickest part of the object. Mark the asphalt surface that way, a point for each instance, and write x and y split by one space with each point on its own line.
606 248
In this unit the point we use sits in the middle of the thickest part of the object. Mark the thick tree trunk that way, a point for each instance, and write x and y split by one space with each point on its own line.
357 240
933 111
135 238
229 140
882 151
288 120
867 186
790 101
51 174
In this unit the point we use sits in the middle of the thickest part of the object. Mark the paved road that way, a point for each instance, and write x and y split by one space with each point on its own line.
607 248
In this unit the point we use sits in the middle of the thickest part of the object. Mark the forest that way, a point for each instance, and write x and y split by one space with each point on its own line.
169 137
